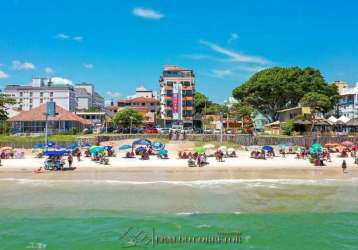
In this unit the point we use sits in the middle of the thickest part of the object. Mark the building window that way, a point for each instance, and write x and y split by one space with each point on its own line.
169 93
51 94
169 83
30 94
30 100
41 100
31 106
41 94
21 94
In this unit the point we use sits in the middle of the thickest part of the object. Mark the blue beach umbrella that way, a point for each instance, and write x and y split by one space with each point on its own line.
125 147
55 152
267 148
51 144
139 150
158 145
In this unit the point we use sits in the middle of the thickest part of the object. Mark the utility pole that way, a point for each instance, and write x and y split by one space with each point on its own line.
221 127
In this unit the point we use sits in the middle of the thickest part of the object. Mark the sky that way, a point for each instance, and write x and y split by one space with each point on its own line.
121 44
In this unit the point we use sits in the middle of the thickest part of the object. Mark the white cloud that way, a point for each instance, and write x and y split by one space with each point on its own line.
235 56
3 75
60 80
113 94
147 13
68 37
62 36
221 72
49 70
233 37
17 65
77 38
88 65
251 69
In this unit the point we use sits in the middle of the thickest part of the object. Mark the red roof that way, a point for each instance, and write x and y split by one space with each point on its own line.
139 100
37 114
116 108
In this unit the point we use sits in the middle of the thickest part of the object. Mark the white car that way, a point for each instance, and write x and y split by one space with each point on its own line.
163 130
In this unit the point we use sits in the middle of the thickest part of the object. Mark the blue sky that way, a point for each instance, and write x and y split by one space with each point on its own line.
121 44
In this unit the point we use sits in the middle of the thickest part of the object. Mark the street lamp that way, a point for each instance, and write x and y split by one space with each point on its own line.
130 128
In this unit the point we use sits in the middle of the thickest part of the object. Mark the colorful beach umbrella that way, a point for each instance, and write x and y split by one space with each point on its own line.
200 150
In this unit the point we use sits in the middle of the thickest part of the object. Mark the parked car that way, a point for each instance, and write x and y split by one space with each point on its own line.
229 131
198 130
163 130
151 131
208 131
217 131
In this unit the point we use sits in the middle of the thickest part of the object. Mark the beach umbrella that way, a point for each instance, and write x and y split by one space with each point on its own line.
316 148
267 148
209 146
163 152
143 142
51 144
85 145
125 147
38 145
139 150
157 145
55 152
72 146
347 143
96 149
200 150
282 146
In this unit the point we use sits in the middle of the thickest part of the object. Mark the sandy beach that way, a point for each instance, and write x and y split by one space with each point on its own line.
174 169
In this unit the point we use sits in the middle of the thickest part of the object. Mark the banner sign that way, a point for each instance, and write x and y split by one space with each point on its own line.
175 101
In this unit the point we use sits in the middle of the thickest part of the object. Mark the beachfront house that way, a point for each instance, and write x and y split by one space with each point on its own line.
33 122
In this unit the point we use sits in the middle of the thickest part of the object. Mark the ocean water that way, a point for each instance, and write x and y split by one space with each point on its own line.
110 214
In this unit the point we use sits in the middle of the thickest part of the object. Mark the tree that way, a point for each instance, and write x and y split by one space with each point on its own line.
126 117
287 127
243 112
5 100
278 88
200 102
318 103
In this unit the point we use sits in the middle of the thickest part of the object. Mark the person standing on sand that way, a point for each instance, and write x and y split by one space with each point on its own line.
70 160
79 155
344 166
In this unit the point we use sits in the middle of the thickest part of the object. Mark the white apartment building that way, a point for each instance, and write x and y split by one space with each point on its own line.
348 104
87 97
40 91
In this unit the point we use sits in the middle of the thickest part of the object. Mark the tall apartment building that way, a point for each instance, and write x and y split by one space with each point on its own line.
87 97
40 91
177 96
348 104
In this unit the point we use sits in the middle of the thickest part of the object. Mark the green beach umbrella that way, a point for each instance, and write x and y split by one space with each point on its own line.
282 146
96 149
200 150
315 148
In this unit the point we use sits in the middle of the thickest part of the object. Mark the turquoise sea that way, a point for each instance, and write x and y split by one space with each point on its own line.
109 214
